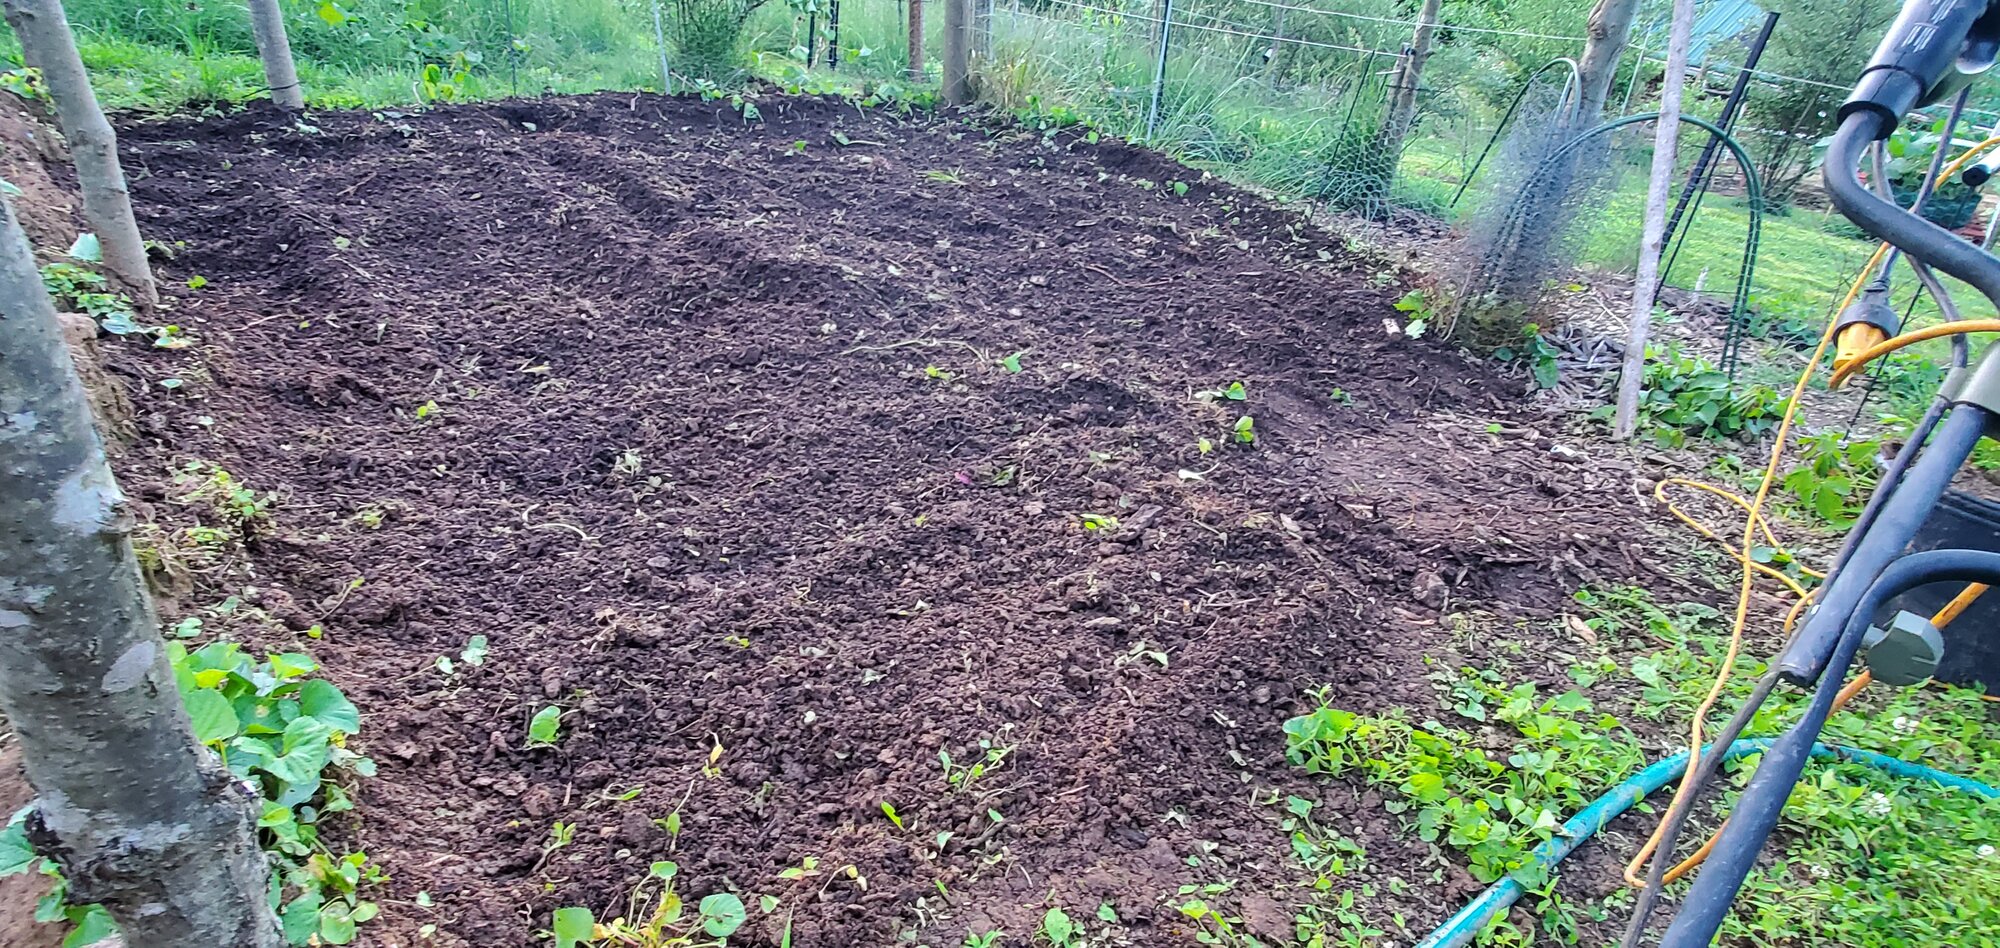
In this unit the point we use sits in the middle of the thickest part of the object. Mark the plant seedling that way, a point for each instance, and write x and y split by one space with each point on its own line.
545 727
1097 521
1057 929
1245 430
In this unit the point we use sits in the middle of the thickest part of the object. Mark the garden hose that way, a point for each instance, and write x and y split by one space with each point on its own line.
1464 927
1740 624
1846 371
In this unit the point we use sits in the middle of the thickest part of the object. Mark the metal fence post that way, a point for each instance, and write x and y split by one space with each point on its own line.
660 37
1159 69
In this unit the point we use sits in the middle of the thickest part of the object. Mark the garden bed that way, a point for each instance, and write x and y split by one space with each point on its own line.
785 454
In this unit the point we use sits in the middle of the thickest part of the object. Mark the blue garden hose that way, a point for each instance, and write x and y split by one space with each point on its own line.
1462 928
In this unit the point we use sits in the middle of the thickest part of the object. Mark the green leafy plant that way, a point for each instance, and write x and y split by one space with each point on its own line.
545 728
86 291
1537 353
1451 791
963 777
1058 930
1245 430
1685 395
26 83
656 918
1421 311
1833 477
284 734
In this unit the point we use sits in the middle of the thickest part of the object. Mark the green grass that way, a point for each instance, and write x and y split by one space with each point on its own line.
1865 860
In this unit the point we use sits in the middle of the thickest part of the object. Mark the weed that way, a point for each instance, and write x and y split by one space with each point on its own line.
284 734
1098 521
221 495
1685 395
473 654
985 939
889 810
86 291
941 176
656 918
1833 477
1234 391
1058 930
1419 306
1537 353
962 777
1491 811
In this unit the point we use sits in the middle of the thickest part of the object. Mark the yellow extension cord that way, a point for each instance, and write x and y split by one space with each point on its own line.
1854 350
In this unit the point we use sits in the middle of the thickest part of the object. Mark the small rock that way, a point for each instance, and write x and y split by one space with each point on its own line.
1430 589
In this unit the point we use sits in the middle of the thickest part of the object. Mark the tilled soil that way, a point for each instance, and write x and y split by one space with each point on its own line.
713 428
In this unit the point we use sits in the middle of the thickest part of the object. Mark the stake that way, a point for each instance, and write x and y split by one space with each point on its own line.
660 37
1665 139
1704 166
1160 68
513 53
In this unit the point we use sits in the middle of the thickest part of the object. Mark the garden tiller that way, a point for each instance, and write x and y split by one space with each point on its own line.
1934 50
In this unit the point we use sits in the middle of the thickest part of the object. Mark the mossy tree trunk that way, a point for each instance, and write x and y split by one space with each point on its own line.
139 816
107 205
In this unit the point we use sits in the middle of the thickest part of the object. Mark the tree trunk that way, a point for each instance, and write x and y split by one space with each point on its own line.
1647 285
957 53
916 40
1276 50
268 23
1409 73
107 206
138 814
1604 39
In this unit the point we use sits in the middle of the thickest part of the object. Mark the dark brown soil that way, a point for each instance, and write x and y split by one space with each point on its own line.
724 461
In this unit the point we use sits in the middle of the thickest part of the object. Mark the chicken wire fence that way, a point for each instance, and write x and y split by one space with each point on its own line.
1304 99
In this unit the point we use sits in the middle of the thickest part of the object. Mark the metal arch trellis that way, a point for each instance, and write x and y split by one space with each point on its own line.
1753 189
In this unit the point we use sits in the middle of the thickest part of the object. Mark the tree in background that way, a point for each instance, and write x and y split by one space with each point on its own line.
1409 76
1819 41
140 817
267 21
1605 37
107 205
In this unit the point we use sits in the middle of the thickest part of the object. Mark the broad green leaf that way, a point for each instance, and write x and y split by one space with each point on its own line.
301 919
16 856
307 733
293 665
572 926
87 249
545 726
93 924
475 651
322 700
336 924
721 915
213 719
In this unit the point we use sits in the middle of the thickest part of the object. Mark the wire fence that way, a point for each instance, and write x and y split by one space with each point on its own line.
1305 99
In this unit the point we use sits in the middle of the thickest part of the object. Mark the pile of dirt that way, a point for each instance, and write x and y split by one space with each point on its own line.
789 456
